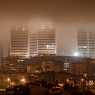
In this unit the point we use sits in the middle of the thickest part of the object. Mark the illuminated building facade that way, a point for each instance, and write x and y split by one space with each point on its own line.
25 43
19 42
43 43
86 44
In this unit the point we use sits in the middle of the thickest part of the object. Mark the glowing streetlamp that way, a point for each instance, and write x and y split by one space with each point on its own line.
12 83
82 80
23 80
67 80
8 79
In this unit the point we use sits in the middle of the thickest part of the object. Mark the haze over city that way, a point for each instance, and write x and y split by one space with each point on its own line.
47 47
67 17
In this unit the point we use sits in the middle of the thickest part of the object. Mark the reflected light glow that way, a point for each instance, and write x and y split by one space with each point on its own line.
8 79
23 80
76 54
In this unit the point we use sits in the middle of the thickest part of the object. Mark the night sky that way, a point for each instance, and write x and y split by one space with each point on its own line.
67 17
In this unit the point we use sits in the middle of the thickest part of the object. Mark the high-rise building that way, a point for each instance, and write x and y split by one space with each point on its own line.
86 44
19 42
43 42
26 43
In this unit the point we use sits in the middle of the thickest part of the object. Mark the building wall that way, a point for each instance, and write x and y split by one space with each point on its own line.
86 43
25 43
19 42
77 66
43 42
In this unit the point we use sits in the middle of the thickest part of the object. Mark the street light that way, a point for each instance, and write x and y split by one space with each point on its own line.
82 79
67 80
23 80
12 83
8 79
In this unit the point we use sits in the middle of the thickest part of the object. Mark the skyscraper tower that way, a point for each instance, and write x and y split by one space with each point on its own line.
86 44
25 43
43 42
19 42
